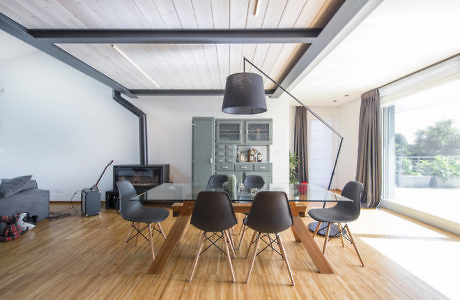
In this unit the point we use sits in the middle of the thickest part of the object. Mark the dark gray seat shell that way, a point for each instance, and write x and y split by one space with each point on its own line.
253 182
342 212
213 212
217 181
270 212
135 211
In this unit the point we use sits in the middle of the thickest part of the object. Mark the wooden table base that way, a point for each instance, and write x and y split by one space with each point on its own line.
300 231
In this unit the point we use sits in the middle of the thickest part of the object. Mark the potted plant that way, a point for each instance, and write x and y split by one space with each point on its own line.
411 175
293 164
441 169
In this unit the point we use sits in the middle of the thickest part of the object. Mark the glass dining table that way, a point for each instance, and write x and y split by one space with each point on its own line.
186 193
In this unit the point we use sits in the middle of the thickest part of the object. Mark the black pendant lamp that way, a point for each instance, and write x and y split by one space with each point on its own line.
244 94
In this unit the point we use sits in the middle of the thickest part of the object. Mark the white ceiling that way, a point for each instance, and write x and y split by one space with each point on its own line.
397 38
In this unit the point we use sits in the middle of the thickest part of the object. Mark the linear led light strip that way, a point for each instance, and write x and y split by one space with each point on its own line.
134 65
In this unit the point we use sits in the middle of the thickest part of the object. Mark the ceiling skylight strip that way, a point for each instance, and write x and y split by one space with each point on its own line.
134 65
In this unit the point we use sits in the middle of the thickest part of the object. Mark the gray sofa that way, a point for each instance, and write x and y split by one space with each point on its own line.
31 199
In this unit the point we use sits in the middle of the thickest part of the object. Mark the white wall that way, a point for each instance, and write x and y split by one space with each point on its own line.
60 125
348 126
170 130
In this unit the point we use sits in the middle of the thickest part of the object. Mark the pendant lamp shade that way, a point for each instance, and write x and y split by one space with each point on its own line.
244 94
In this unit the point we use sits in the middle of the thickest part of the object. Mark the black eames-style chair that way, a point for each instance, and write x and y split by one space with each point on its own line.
213 213
137 213
269 213
253 182
217 181
343 212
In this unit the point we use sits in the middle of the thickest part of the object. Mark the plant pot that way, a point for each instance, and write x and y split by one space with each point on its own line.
412 181
452 182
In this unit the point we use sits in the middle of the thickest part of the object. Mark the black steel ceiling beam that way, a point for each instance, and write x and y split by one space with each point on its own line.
341 18
183 36
21 33
184 92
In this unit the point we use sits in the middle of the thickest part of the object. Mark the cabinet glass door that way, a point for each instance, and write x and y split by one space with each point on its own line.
258 132
229 131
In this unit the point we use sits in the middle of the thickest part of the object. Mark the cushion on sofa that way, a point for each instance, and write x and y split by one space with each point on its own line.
13 186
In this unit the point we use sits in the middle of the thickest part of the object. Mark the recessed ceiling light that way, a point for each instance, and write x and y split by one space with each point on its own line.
134 65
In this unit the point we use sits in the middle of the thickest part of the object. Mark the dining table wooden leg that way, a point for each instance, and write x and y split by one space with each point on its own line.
174 235
309 243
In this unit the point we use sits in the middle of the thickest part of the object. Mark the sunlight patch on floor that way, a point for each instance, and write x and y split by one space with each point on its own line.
432 256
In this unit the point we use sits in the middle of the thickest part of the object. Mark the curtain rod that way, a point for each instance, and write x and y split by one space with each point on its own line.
420 70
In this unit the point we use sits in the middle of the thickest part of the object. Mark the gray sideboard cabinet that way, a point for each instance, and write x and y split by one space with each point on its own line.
218 142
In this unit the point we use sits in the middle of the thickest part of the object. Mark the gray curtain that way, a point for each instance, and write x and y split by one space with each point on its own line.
301 143
369 168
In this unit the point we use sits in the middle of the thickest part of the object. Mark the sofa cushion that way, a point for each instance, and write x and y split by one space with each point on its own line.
13 186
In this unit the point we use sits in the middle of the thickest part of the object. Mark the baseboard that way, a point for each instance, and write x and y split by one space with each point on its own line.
422 216
67 202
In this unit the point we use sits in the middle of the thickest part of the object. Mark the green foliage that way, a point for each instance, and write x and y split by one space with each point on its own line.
293 164
401 145
410 167
440 139
441 167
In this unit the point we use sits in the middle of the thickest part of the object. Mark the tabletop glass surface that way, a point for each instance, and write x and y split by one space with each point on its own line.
178 192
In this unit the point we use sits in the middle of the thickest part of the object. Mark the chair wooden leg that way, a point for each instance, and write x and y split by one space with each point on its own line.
354 244
326 237
250 244
228 235
243 231
316 230
341 234
125 242
151 241
197 257
161 230
283 252
253 258
226 242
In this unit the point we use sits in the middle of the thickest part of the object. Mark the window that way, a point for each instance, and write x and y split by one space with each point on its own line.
421 143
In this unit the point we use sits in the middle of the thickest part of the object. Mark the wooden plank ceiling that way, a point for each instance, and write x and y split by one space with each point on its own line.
176 66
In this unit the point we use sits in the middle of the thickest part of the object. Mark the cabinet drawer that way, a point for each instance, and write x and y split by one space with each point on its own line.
230 147
262 167
230 154
220 160
220 153
243 167
225 167
220 147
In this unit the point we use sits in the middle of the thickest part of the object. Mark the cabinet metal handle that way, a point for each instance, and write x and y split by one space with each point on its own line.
262 167
210 160
244 167
224 167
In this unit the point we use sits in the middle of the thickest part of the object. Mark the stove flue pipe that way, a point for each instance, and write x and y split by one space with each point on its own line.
143 152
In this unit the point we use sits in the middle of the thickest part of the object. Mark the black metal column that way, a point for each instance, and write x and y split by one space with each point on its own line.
143 151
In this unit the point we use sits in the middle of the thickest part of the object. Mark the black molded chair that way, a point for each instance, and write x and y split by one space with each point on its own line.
270 213
213 213
137 213
343 212
217 181
253 182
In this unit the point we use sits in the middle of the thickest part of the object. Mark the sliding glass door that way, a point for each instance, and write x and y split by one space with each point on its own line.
421 150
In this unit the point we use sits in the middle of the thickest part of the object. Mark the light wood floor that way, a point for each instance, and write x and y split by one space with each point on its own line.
73 258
